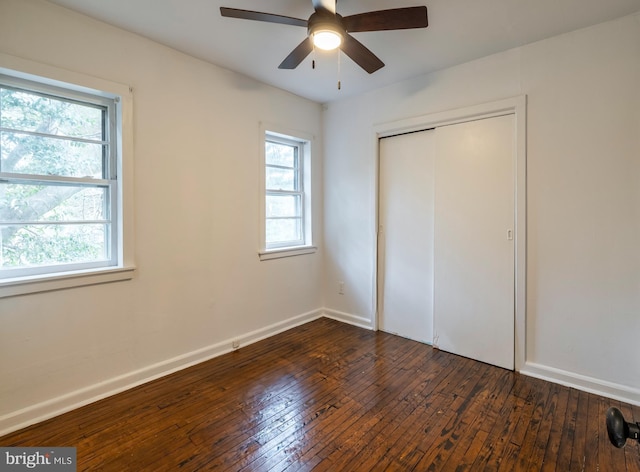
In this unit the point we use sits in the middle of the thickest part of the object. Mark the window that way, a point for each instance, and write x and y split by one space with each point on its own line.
60 192
286 194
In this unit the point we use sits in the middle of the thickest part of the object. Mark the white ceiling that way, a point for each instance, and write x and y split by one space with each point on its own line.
459 31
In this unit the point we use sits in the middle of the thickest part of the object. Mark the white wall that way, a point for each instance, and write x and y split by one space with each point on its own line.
199 282
583 164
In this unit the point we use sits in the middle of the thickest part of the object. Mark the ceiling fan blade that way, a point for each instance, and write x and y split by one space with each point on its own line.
394 19
328 5
360 54
297 55
260 16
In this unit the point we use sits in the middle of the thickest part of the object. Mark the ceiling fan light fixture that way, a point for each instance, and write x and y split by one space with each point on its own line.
327 39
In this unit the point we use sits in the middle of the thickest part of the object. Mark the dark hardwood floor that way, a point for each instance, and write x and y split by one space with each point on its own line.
332 397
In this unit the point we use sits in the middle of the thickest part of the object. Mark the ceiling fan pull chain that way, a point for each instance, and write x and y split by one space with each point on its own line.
339 84
313 57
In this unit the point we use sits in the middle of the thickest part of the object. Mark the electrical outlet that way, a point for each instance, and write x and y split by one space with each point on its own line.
341 288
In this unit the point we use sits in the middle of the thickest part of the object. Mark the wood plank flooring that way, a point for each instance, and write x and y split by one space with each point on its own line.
327 396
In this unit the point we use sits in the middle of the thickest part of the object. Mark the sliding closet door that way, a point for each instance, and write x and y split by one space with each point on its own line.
474 240
405 239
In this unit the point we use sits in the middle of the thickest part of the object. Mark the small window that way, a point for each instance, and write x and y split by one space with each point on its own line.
58 180
286 193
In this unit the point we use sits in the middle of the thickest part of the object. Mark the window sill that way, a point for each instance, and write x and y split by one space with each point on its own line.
286 252
63 280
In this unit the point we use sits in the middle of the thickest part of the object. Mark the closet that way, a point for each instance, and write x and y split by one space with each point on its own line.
446 212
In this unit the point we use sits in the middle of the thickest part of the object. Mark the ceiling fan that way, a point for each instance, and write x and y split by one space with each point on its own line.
328 30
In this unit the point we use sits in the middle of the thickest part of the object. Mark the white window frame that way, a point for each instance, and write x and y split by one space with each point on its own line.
303 142
66 84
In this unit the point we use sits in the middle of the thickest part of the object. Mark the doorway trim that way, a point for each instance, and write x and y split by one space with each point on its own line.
516 106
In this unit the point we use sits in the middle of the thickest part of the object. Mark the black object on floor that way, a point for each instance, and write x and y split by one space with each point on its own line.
619 430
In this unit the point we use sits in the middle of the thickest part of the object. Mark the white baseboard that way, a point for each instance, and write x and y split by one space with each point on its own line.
56 406
583 382
348 318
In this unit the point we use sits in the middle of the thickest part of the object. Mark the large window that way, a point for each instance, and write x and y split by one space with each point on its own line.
286 193
58 179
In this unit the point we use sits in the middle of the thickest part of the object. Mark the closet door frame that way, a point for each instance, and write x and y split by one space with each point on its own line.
518 107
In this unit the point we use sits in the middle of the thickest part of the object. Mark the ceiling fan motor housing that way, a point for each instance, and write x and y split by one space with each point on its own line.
323 20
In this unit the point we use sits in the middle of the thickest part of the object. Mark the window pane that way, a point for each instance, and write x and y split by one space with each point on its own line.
283 230
30 245
26 154
280 154
42 114
37 202
281 179
283 205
